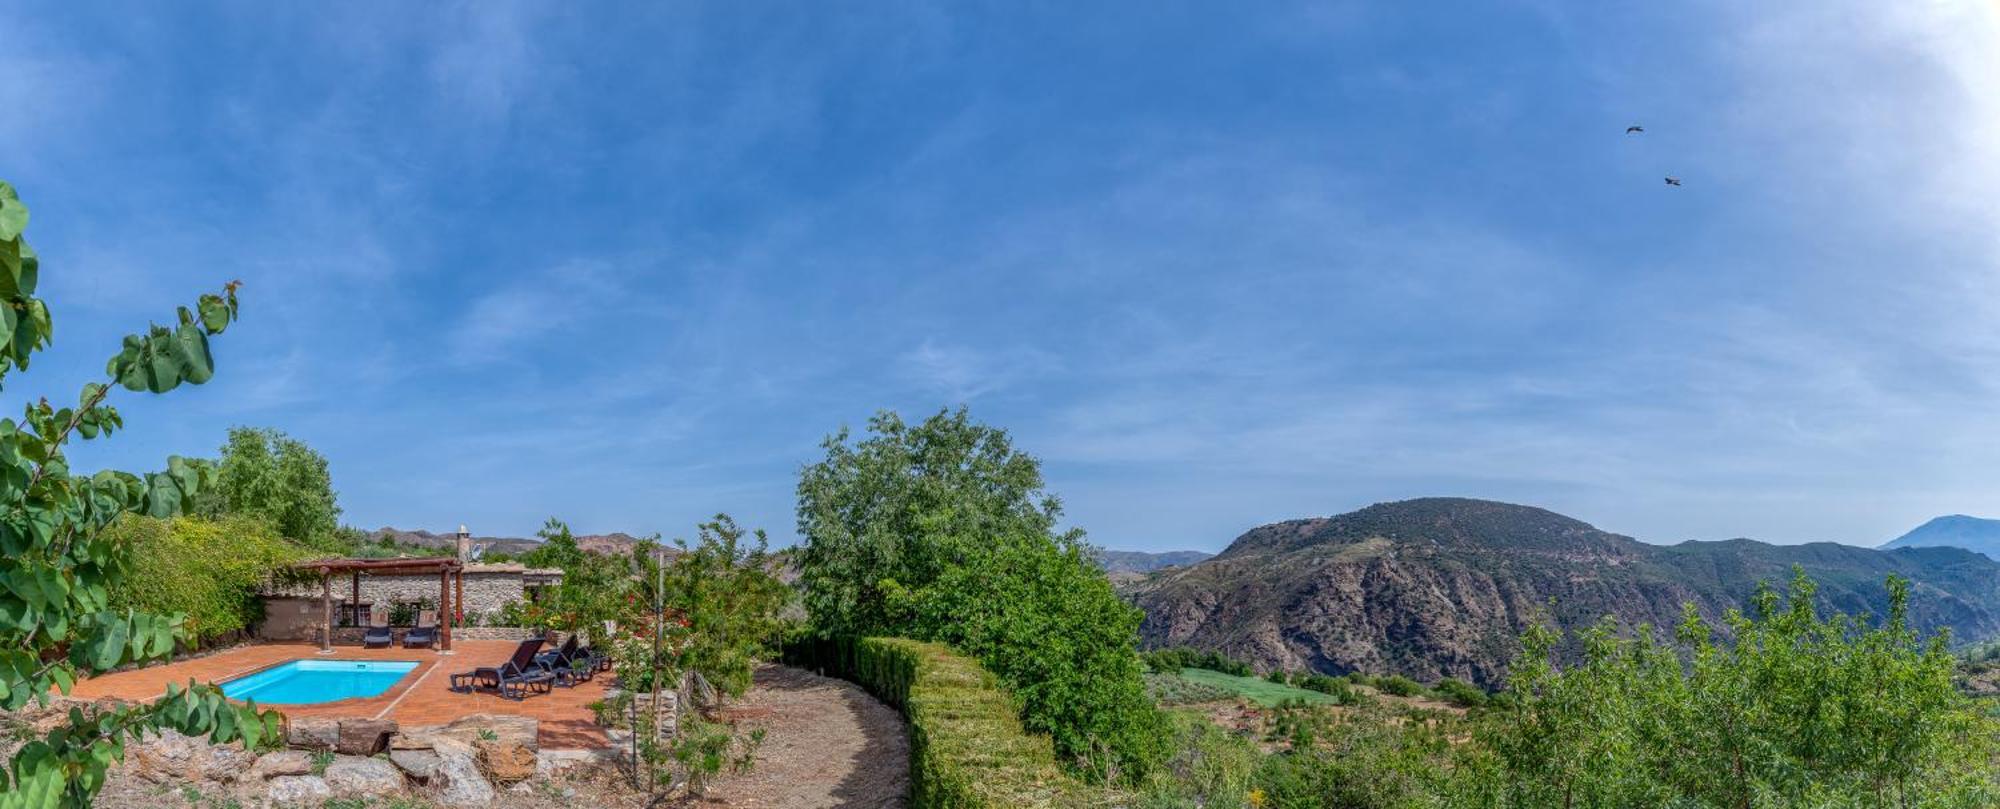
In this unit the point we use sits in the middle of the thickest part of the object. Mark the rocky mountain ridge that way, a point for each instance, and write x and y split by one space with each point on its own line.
612 543
1145 562
1441 587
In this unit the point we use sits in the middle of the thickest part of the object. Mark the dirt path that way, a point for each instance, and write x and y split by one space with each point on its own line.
827 744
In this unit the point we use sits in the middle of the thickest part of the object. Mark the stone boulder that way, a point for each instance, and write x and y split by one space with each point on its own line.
457 783
505 761
283 762
418 764
312 733
168 756
356 777
553 763
228 763
297 790
520 730
364 737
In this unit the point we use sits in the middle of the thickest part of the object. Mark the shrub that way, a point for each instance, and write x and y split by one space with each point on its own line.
1171 660
968 749
1211 768
1365 760
1398 685
1278 676
1461 693
1336 687
1173 689
209 569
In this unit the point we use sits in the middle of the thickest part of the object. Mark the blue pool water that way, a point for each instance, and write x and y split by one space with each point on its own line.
304 682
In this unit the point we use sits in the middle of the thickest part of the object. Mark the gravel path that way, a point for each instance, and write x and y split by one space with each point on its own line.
827 743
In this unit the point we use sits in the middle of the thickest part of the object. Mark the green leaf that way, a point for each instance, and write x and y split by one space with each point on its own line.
215 313
111 643
28 277
13 213
191 349
8 320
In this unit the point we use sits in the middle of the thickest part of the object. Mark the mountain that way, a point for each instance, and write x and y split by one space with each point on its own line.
1143 562
1443 587
612 543
1954 531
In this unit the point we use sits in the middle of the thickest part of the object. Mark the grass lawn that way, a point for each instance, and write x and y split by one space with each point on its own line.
1256 689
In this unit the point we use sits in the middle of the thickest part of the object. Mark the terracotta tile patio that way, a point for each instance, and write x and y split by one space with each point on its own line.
422 697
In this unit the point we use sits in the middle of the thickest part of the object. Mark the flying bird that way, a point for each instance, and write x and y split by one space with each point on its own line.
1634 130
1675 181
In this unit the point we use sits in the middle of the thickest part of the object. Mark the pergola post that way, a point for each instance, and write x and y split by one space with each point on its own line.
353 607
444 611
326 605
458 596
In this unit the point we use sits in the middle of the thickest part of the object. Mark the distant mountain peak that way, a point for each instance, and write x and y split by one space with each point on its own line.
1439 521
1145 562
1977 534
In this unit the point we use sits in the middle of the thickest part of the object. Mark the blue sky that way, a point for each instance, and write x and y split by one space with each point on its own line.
1217 268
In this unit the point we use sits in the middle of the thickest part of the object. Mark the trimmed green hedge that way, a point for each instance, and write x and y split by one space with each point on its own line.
967 747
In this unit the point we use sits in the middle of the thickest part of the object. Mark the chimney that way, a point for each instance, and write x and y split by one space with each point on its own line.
464 545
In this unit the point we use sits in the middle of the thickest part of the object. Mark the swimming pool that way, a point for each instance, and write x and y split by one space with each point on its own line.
305 682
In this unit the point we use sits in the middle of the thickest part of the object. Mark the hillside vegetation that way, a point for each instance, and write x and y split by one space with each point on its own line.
1787 708
1445 587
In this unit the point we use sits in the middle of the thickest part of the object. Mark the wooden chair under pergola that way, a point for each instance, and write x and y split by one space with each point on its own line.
450 572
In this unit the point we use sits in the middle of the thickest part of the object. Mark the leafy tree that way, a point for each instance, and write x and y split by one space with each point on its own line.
696 622
722 586
1792 710
595 588
942 531
266 474
60 566
210 570
558 548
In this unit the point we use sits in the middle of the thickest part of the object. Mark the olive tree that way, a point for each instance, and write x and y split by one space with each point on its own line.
59 568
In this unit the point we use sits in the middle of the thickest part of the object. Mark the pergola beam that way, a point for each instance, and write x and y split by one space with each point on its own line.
446 567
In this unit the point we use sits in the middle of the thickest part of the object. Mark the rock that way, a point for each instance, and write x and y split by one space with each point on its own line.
283 762
457 782
228 763
297 790
364 737
507 762
520 730
168 756
552 763
356 777
420 764
313 733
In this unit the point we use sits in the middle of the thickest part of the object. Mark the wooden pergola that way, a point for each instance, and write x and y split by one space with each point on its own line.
449 571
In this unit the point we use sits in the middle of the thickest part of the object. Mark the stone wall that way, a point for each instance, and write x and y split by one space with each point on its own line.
351 635
488 588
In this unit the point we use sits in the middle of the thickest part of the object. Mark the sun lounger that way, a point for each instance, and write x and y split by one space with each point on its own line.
514 679
424 634
377 634
568 663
